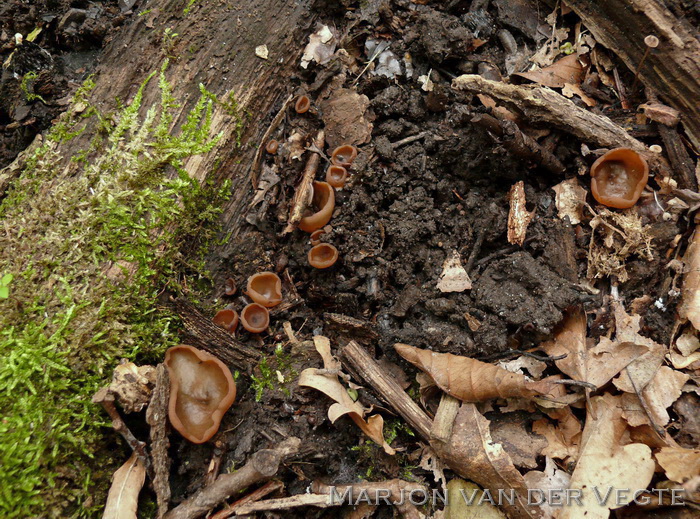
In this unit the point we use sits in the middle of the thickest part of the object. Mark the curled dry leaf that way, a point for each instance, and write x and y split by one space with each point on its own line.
465 500
123 497
597 365
133 385
661 113
566 70
320 48
570 90
346 118
550 482
454 278
471 380
689 308
326 381
606 463
518 216
659 394
679 464
564 438
570 198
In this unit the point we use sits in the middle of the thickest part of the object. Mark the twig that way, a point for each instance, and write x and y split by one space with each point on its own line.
262 466
409 140
302 196
105 397
266 489
157 416
255 168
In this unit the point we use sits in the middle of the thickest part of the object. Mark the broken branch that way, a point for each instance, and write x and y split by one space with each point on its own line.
302 196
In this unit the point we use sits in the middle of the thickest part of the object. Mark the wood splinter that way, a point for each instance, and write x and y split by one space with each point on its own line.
302 196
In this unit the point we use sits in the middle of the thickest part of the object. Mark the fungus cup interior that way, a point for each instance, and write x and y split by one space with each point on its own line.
315 237
336 176
272 147
344 155
255 318
323 203
230 287
265 288
201 391
619 177
227 319
323 255
302 105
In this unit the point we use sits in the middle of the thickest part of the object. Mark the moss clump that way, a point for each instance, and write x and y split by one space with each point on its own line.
90 244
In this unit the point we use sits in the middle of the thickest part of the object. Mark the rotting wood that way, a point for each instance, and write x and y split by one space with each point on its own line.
672 69
255 168
303 193
262 466
545 106
678 156
351 326
202 333
517 143
371 372
157 418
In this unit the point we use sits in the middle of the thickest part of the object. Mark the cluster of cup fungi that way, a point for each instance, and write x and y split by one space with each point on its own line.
265 288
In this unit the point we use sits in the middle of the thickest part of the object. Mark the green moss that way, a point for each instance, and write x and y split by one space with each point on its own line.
91 245
27 87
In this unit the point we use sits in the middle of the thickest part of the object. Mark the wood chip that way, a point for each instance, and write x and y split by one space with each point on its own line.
518 217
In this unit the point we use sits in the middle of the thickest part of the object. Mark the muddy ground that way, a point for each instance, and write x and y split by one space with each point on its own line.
404 211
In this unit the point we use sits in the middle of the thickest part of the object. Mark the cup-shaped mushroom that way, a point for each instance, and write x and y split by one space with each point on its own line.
619 177
265 288
255 318
227 319
323 255
303 104
322 203
344 155
272 146
315 237
336 176
201 391
230 287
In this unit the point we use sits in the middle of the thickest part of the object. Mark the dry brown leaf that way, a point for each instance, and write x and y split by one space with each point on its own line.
464 501
320 48
597 365
566 70
479 459
133 385
570 198
544 484
346 118
661 113
453 278
123 497
564 438
690 296
687 343
659 394
326 381
518 216
681 362
679 464
471 380
526 365
522 445
570 90
605 463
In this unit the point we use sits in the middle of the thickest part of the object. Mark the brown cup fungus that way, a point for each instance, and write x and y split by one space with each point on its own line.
315 237
265 288
229 287
323 255
322 203
255 318
227 319
201 391
618 178
302 105
344 155
272 147
336 176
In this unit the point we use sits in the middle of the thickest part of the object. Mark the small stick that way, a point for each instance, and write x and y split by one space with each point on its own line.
267 488
409 140
302 196
261 148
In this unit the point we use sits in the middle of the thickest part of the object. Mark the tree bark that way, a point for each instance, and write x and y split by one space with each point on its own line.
672 69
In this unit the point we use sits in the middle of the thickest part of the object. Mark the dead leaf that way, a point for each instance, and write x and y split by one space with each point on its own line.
132 385
566 70
681 362
268 179
689 309
123 497
571 89
550 482
534 367
564 438
661 113
471 380
472 453
430 461
346 118
663 390
518 217
604 463
320 48
679 464
597 365
453 278
687 343
262 52
326 381
570 198
295 143
522 445
465 500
